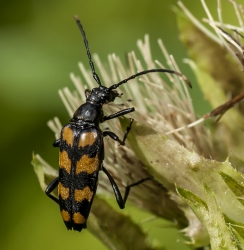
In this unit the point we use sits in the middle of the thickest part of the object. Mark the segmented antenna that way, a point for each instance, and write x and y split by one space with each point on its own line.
115 86
95 76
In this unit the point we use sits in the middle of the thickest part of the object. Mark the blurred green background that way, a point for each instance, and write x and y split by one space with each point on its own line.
40 45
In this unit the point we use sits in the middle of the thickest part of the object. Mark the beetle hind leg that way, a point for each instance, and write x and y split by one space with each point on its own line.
127 189
121 201
50 188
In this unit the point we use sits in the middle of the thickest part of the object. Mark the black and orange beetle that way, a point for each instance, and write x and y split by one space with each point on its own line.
82 150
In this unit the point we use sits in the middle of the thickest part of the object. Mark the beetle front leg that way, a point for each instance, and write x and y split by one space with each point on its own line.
120 113
115 137
50 188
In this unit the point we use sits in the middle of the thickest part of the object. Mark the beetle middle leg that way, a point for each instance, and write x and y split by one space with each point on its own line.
115 137
121 201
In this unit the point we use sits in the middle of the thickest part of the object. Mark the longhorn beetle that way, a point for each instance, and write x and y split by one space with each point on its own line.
82 150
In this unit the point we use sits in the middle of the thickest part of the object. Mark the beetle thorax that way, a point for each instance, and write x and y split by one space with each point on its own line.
88 113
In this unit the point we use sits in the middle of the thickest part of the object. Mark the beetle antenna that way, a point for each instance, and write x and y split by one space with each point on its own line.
95 75
115 86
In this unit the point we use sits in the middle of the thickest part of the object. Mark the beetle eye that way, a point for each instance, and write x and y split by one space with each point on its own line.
87 93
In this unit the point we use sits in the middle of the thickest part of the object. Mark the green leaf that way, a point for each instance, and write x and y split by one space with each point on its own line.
171 163
221 234
238 227
236 187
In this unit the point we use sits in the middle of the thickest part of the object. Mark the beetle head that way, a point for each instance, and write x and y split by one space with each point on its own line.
101 95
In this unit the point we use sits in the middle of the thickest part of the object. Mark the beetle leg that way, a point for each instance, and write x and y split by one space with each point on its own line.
117 193
121 201
127 131
115 137
50 188
117 114
127 189
57 143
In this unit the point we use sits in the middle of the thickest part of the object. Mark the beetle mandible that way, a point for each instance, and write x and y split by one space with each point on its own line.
82 150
